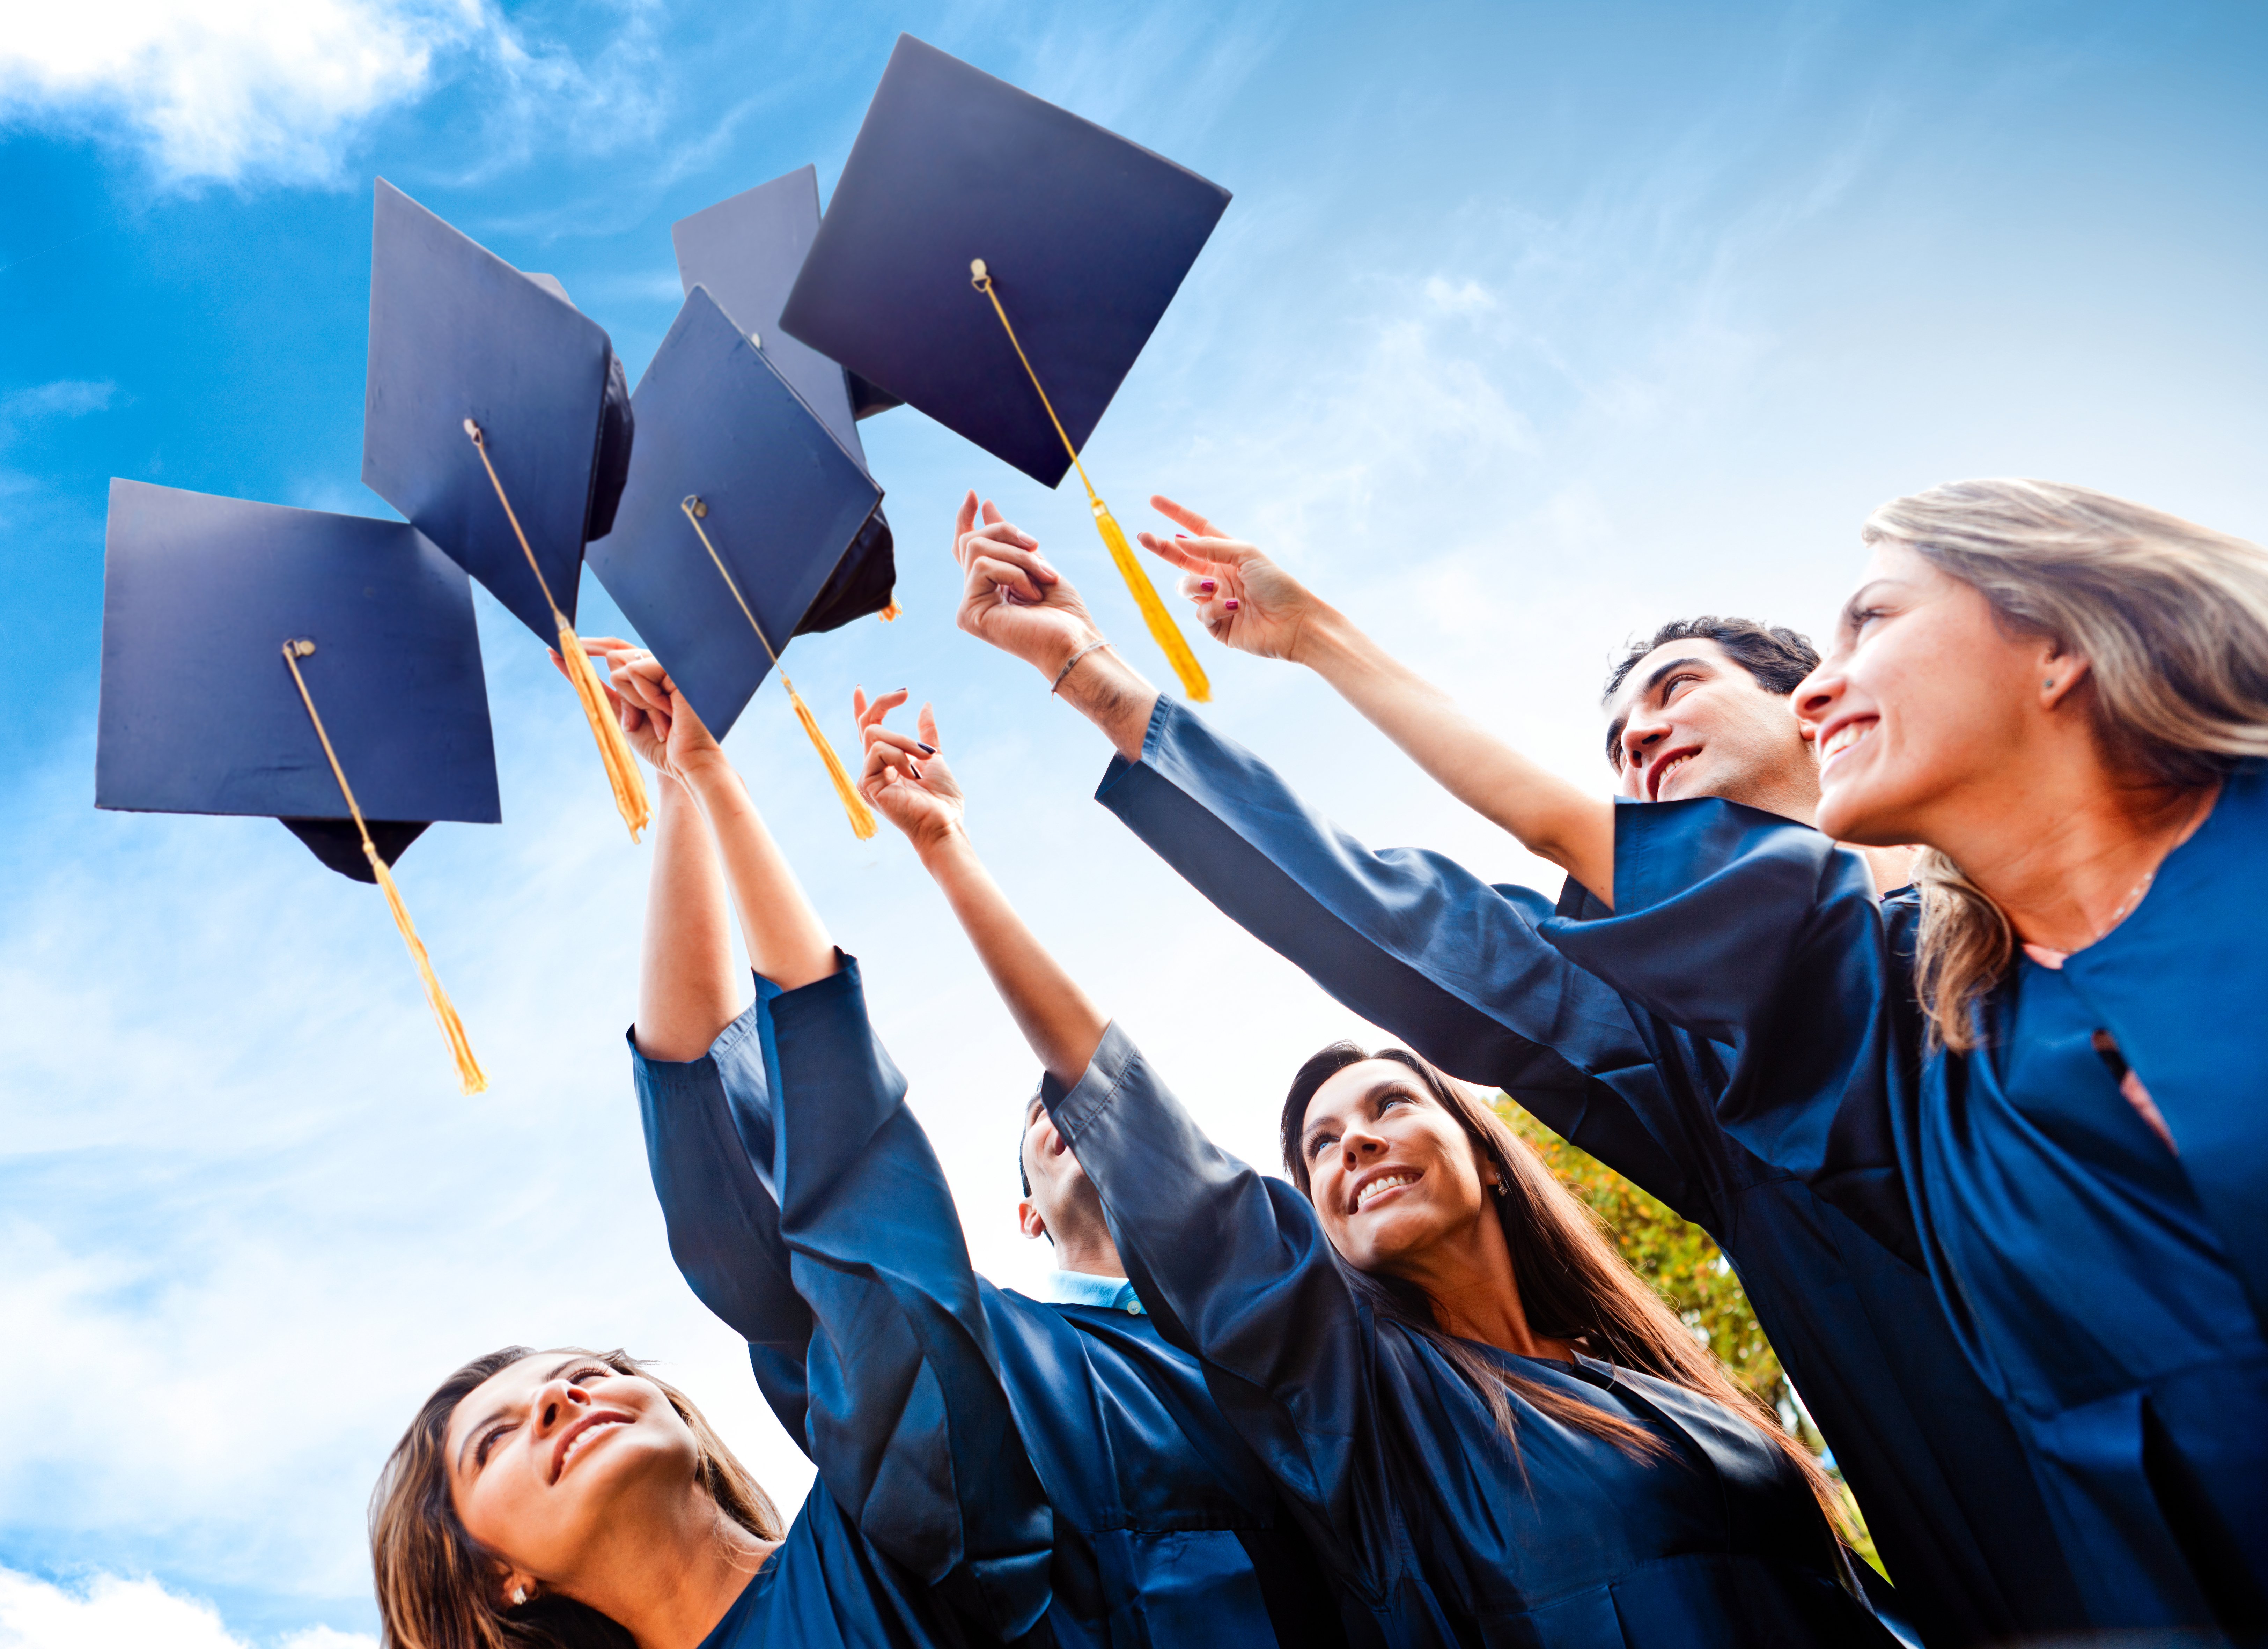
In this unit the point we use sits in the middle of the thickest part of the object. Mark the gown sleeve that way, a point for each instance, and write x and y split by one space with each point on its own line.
1235 1268
708 1125
1410 940
787 1157
1751 929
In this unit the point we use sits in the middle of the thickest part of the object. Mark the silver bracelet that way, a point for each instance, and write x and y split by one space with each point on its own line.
1074 659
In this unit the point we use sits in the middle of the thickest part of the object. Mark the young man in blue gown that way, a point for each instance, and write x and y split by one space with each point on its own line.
1166 1529
1454 967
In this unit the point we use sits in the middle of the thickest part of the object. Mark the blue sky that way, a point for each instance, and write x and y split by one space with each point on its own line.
1530 327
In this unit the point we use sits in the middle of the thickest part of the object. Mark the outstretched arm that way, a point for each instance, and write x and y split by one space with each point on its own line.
1014 600
787 943
1248 601
907 780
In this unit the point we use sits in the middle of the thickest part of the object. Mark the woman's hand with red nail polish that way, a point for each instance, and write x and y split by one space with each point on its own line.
1242 597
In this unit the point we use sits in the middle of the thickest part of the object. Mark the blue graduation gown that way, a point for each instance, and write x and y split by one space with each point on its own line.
1167 1529
926 1525
1436 1533
2109 1290
1458 969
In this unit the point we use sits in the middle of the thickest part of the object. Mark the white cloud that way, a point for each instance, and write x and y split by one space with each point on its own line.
228 88
110 1611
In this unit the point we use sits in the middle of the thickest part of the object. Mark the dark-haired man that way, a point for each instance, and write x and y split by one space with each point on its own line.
1417 945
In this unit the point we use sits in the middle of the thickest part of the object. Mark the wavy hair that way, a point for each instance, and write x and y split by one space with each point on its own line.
2172 618
1572 1283
438 1589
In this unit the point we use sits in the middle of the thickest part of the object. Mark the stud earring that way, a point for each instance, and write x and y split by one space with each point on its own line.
2049 684
518 1595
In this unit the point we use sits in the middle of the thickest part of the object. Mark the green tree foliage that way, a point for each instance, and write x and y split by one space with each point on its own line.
1689 1273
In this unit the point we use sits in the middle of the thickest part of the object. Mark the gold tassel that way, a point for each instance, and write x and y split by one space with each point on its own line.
1162 628
623 775
862 816
613 749
470 1078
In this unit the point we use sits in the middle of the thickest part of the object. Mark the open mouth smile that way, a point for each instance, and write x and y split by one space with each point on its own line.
1379 1184
578 1437
1664 765
1845 736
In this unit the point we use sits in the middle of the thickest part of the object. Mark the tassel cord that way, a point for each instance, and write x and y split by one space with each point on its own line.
470 1078
1155 617
622 776
863 824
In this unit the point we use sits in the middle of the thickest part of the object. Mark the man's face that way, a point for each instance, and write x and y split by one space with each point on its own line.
1690 720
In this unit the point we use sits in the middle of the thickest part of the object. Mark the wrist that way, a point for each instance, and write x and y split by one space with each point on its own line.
944 849
1324 636
708 777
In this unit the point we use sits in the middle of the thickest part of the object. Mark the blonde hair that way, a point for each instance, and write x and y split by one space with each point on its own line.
437 1589
2172 618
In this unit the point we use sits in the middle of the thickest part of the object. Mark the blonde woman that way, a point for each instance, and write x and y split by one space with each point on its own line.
2046 1072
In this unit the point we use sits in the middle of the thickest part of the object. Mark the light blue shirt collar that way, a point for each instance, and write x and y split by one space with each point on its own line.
1079 1288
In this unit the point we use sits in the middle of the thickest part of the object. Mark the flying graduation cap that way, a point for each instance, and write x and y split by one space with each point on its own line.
742 507
497 420
746 250
321 669
999 262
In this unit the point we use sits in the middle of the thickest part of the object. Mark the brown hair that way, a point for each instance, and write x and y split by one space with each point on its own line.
1572 1285
2172 618
437 1589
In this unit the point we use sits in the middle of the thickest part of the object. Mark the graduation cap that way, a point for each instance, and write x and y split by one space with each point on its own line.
999 262
497 420
746 250
321 669
741 508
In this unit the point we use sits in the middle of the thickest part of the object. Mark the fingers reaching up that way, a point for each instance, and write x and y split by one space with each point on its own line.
1242 597
904 776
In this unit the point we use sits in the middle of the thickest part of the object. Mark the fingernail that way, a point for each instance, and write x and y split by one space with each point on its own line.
1230 604
927 748
1207 585
914 768
1180 535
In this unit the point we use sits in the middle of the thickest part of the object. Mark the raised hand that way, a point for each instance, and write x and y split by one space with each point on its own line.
655 718
905 778
1242 597
1012 598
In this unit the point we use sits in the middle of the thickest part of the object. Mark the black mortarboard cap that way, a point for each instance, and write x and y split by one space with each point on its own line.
199 711
785 502
1086 235
746 250
457 333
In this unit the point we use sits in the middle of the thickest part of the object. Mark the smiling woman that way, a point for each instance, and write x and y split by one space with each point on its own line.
468 1519
2039 1076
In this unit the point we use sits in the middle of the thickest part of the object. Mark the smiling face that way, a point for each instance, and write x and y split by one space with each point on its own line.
1689 720
1394 1176
551 1454
1923 700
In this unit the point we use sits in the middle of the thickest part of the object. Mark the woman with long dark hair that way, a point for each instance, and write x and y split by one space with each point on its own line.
2044 1073
1490 1429
567 1499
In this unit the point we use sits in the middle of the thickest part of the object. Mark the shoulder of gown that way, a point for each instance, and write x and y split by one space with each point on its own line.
1753 930
1410 940
2180 985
